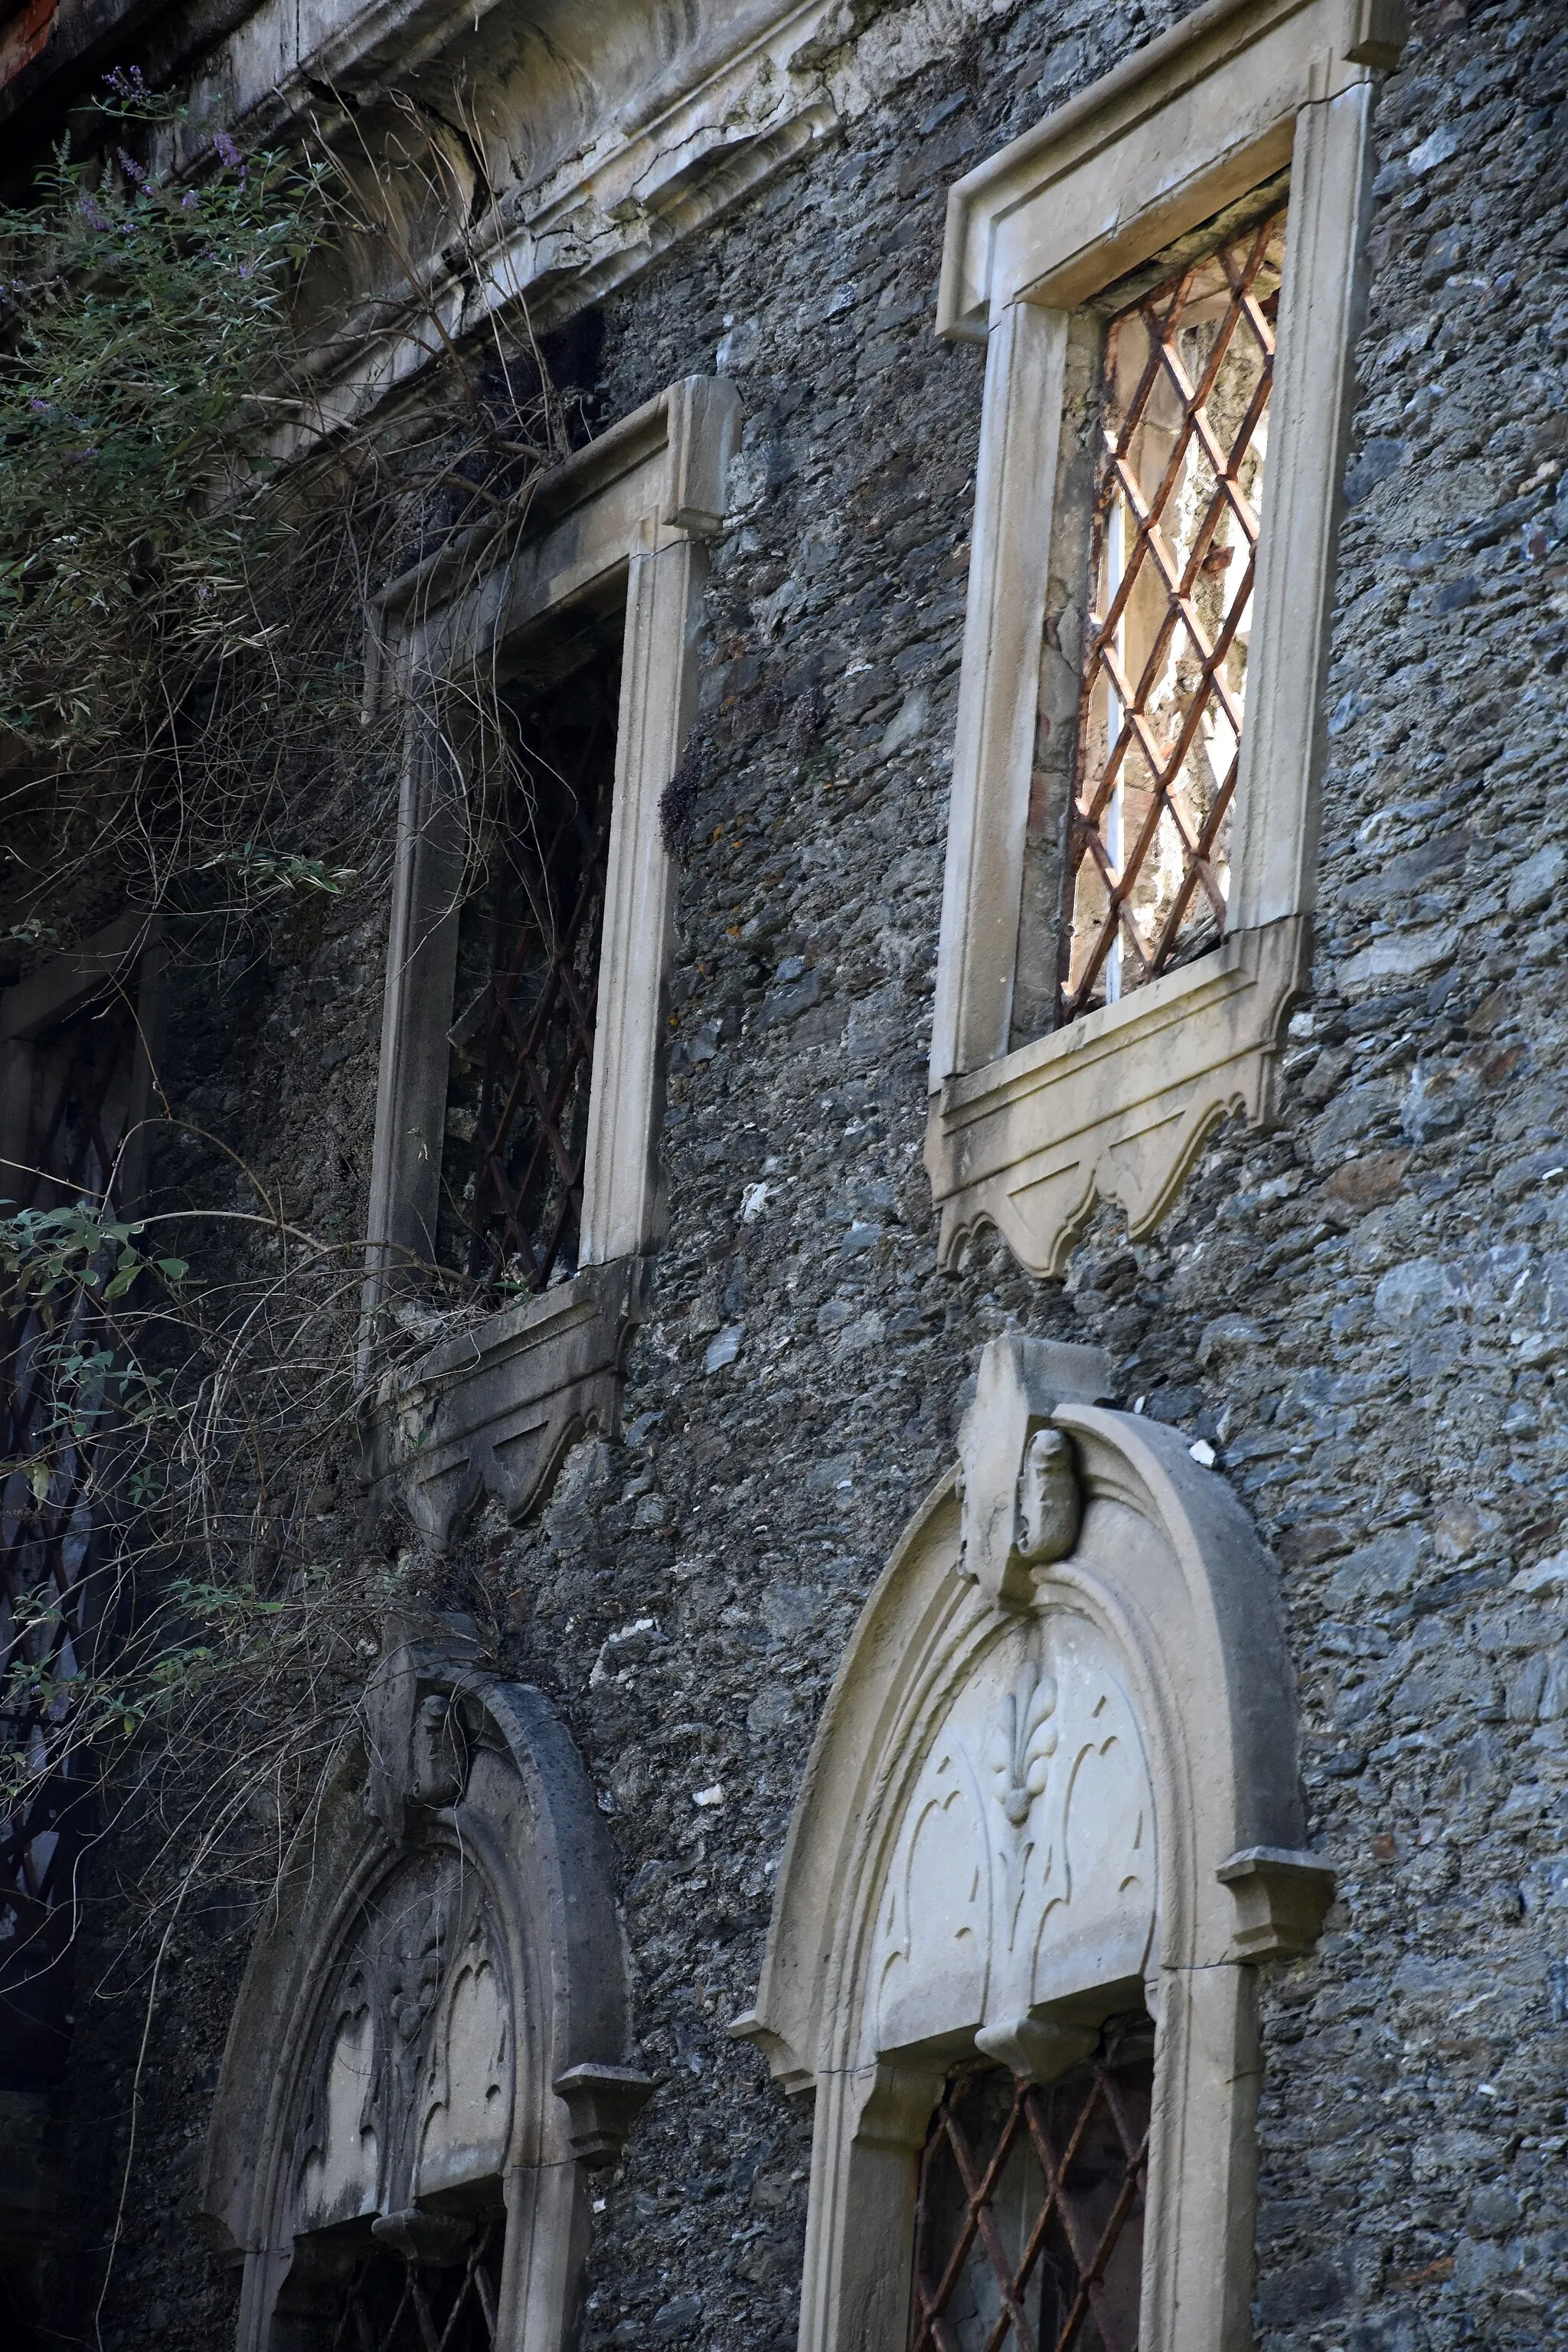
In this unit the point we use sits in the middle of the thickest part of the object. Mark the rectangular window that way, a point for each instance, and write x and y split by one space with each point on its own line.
527 968
520 1095
1133 819
1188 368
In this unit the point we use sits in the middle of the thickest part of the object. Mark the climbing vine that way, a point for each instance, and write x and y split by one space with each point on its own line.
189 552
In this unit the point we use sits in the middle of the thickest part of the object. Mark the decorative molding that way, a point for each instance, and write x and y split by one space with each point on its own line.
435 2020
410 2087
492 1411
1180 129
953 1880
1117 1106
1020 1898
998 689
593 141
604 2101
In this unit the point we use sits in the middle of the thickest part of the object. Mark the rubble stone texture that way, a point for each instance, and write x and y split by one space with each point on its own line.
1364 1315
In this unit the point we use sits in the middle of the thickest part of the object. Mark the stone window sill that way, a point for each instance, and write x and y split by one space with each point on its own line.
1117 1105
492 1410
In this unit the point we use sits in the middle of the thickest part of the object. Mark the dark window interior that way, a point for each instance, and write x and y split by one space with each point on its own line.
1029 2221
526 1001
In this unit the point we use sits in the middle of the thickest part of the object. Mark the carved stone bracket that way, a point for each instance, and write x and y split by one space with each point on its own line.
420 1733
492 1412
1117 1106
603 2103
1281 1897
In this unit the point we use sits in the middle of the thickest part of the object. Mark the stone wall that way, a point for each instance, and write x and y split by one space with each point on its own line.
1359 1317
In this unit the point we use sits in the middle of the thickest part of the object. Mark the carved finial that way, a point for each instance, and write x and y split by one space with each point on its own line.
1016 1484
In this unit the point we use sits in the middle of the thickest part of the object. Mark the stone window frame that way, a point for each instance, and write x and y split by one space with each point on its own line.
451 1760
1118 1103
1162 1561
492 1410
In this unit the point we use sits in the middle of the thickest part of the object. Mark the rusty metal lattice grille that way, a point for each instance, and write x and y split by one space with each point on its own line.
1029 2216
394 2304
53 1524
1189 368
518 1106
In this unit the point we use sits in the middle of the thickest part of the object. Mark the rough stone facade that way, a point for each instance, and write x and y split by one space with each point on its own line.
1361 1318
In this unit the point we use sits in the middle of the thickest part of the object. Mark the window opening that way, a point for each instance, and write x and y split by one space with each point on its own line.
528 973
396 2303
1189 368
53 1524
1029 2209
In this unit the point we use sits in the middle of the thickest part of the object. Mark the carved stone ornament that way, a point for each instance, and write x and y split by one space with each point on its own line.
1023 1879
433 2032
1016 1477
1116 1107
1019 1822
607 134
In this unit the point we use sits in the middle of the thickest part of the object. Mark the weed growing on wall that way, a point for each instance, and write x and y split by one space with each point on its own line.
146 322
188 562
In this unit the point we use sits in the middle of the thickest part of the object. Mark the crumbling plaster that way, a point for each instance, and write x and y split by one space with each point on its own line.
575 145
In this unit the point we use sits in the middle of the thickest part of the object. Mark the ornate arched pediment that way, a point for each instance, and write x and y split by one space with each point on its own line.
1054 1787
1163 1615
432 2042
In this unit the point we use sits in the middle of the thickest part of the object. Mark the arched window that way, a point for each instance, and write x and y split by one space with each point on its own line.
429 2054
1050 1823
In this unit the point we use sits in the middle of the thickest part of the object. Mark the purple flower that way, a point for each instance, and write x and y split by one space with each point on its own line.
228 152
91 211
131 168
188 199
